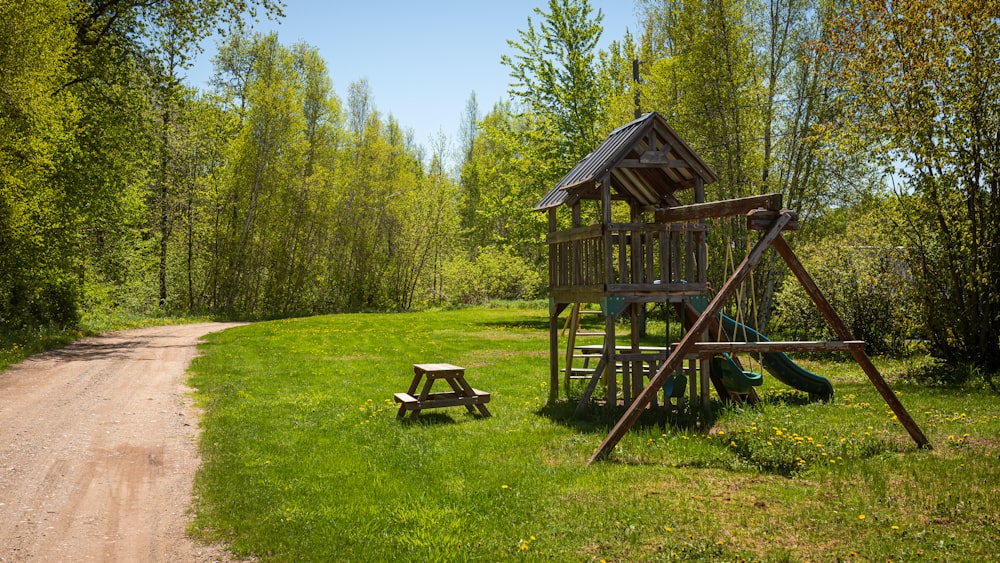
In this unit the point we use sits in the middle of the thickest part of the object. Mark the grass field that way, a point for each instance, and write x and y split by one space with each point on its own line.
305 460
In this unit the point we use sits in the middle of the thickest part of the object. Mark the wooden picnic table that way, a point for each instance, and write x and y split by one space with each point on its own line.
461 394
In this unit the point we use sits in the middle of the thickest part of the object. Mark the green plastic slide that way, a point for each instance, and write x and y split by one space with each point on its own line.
777 364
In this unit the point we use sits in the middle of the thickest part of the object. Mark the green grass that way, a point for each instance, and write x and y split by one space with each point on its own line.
304 458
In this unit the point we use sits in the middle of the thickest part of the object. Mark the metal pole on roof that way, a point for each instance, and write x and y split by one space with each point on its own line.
635 78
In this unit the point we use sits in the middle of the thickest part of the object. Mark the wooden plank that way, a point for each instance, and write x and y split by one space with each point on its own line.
712 348
446 400
474 397
653 159
724 208
618 288
844 333
635 227
701 246
438 370
583 294
761 219
664 246
641 357
570 235
689 256
688 341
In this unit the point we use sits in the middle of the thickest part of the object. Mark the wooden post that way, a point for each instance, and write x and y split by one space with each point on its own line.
611 367
704 375
844 333
606 230
553 316
554 353
687 343
636 383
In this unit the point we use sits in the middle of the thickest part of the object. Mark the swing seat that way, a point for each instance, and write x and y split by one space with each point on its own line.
735 379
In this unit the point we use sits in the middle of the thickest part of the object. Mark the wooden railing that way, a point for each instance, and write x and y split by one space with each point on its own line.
629 257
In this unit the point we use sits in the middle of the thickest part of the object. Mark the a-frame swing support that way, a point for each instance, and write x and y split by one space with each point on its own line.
771 238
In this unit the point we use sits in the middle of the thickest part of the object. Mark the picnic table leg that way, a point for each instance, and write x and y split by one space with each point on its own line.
461 391
469 392
428 382
410 391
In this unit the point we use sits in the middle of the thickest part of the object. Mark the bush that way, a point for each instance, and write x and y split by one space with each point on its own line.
866 284
935 372
50 302
492 274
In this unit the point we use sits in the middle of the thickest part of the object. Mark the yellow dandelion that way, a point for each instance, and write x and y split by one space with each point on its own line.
861 516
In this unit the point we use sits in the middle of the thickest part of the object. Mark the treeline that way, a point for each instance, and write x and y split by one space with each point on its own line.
267 194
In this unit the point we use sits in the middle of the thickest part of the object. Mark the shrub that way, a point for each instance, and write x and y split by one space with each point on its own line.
492 274
866 284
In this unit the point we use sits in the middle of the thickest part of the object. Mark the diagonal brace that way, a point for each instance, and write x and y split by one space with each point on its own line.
844 333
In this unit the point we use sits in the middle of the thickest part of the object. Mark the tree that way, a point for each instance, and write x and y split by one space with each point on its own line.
555 76
37 117
919 89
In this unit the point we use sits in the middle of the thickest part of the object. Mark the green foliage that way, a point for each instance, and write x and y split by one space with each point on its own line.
556 78
919 85
491 274
865 276
503 178
304 458
37 116
937 372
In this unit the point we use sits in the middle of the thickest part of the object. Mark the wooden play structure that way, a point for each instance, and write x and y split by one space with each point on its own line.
658 253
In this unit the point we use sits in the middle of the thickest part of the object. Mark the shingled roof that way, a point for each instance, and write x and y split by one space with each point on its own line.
647 160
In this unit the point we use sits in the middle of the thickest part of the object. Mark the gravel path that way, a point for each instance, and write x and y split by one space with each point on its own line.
98 450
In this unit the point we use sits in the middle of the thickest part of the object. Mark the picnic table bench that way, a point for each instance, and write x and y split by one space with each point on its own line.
461 394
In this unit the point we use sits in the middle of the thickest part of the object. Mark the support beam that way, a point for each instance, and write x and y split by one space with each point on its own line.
844 333
724 208
712 348
589 391
687 343
761 219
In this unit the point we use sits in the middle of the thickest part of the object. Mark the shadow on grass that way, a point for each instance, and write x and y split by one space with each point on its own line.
540 324
600 419
787 397
438 419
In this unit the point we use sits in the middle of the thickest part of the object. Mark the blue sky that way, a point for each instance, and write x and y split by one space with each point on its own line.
422 59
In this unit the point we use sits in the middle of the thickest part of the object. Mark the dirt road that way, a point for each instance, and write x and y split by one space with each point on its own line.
98 450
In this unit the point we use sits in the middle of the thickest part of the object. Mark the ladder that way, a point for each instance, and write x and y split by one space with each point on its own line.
573 327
